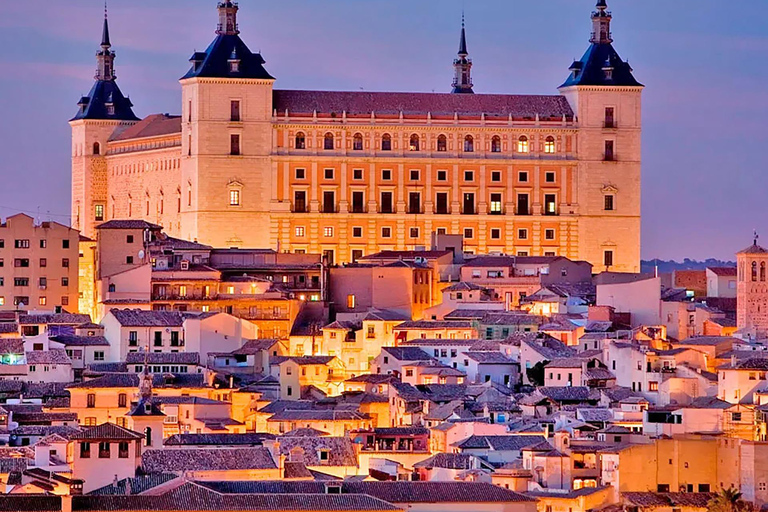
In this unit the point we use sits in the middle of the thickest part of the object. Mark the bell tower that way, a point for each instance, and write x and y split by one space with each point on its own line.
462 79
752 291
103 110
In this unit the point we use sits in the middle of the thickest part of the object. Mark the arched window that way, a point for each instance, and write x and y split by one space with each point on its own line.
357 142
386 142
414 144
469 144
328 141
96 148
496 144
549 145
148 436
442 143
522 144
112 288
762 271
754 271
301 141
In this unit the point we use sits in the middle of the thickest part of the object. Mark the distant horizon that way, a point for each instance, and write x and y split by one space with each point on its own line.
696 179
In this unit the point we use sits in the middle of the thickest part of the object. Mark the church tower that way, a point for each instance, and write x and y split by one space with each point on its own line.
226 141
100 113
606 100
462 79
752 291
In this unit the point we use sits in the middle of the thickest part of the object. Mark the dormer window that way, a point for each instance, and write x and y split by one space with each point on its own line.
234 66
110 110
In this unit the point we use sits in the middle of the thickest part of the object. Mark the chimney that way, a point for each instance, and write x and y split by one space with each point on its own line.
733 360
273 445
66 503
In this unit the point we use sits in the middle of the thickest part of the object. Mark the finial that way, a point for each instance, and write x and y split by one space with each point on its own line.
757 236
105 32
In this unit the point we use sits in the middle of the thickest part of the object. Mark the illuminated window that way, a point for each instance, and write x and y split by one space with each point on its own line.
549 145
328 232
653 386
522 144
99 212
350 302
234 197
301 141
414 143
182 291
299 231
43 301
205 309
496 204
496 144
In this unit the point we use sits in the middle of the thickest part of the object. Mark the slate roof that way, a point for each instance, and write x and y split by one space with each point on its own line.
433 324
206 459
143 318
488 357
250 439
589 69
154 125
55 319
131 380
214 61
95 103
163 357
453 461
364 103
667 499
129 224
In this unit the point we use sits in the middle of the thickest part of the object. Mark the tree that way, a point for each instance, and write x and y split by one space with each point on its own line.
729 500
536 374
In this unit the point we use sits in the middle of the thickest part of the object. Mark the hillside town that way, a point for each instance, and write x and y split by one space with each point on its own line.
371 302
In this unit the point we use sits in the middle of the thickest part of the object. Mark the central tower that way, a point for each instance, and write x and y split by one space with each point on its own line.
226 141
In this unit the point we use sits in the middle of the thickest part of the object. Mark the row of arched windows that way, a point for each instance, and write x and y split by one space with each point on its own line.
414 143
755 271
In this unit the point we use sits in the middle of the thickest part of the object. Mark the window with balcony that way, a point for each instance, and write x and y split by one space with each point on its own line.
300 201
469 144
234 144
358 202
496 144
496 206
85 450
469 204
386 202
609 155
414 203
104 450
442 143
549 145
441 203
610 120
550 204
122 450
413 144
300 141
522 205
329 202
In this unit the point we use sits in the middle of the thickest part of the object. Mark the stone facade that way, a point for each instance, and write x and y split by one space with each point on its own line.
350 174
752 291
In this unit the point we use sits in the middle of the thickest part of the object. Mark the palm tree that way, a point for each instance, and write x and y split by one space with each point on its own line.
729 500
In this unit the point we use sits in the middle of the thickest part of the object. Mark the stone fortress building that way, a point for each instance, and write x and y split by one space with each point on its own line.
352 173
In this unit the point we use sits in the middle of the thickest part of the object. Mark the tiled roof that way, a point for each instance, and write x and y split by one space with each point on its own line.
407 353
30 503
402 492
373 378
566 362
304 432
131 380
319 415
433 324
206 459
296 470
8 327
52 356
594 414
404 255
470 314
723 271
250 439
499 442
754 363
463 286
305 360
106 431
143 318
11 346
341 450
55 319
137 485
453 461
568 393
707 340
488 357
214 61
667 499
34 418
154 125
384 315
753 249
71 340
129 224
252 347
439 342
508 318
282 405
163 357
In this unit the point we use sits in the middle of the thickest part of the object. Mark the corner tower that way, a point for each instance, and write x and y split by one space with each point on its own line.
462 79
99 114
226 141
606 99
752 291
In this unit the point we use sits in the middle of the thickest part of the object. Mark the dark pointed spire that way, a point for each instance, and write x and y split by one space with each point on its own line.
105 32
462 79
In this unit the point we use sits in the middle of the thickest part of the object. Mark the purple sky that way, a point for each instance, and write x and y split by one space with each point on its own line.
705 106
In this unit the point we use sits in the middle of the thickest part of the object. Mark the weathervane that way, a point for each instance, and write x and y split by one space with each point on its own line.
756 237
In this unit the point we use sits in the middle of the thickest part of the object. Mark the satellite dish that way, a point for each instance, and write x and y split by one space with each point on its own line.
141 255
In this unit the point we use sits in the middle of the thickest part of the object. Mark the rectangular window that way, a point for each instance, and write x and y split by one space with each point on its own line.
357 174
495 234
414 232
21 244
550 204
386 202
158 338
91 401
441 206
549 234
522 176
442 175
43 262
415 175
610 156
496 176
522 205
234 144
358 202
386 175
357 232
122 400
469 204
65 262
43 244
234 198
300 201
329 202
20 281
469 233
469 176
98 214
328 174
386 232
414 203
234 111
85 450
21 262
122 450
104 452
328 232
609 203
301 174
610 121
495 204
42 301
356 255
133 338
175 340
351 301
522 234
549 177
608 258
